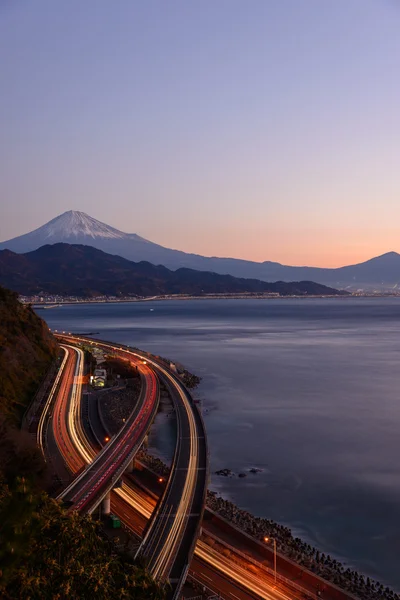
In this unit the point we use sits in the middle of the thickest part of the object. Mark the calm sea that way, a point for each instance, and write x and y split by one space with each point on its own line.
306 390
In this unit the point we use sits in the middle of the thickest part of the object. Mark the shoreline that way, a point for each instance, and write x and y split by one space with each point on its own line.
42 305
345 296
169 298
306 556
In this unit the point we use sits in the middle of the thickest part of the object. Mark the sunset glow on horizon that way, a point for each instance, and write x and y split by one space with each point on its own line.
263 134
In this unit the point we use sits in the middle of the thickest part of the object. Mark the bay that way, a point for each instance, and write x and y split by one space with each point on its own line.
305 389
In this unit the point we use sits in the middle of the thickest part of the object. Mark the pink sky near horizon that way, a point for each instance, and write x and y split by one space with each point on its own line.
263 134
319 247
327 250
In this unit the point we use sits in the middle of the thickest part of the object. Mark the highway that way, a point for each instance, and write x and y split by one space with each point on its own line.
170 538
169 541
86 492
66 406
221 574
226 575
40 436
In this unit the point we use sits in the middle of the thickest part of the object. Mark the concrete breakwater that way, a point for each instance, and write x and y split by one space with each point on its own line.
294 548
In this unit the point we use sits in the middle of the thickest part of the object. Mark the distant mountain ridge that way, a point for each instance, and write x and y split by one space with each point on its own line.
74 227
77 270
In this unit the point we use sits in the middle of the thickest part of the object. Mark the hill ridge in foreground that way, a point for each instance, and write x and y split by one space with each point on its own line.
84 271
26 351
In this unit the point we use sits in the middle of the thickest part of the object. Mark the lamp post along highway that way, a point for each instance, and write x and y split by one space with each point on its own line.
269 539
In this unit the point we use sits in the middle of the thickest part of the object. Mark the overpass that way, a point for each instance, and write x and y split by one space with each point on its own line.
91 486
170 539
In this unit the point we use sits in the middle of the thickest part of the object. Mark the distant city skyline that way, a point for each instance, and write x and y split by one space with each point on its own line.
262 132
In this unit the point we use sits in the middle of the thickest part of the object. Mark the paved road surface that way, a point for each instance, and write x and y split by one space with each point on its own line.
89 488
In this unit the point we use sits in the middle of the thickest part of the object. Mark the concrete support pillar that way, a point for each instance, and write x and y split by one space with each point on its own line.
131 466
107 504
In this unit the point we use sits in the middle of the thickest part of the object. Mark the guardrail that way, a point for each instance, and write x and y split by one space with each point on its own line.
256 563
215 595
30 414
41 440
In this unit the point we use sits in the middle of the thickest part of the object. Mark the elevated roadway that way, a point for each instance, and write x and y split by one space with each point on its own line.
86 492
170 538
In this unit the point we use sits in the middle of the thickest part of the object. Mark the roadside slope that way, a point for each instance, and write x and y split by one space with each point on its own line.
26 351
46 552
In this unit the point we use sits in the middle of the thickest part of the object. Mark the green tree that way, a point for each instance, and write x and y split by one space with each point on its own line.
47 552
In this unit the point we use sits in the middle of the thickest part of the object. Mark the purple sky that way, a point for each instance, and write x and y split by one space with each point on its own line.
267 130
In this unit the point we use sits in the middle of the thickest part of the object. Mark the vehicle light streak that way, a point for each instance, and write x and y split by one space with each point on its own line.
106 467
74 413
257 584
239 574
39 438
61 406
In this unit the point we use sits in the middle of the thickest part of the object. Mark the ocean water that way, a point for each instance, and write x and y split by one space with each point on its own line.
306 390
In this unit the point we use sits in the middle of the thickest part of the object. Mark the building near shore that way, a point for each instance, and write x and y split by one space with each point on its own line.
99 378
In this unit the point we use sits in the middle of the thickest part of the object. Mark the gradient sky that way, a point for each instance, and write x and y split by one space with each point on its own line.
266 130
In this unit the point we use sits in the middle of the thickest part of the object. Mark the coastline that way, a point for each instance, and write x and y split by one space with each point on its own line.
61 303
289 547
346 296
234 509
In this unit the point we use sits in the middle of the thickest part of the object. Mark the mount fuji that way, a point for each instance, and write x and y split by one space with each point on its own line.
74 227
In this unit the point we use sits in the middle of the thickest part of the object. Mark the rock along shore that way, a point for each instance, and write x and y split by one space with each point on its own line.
292 547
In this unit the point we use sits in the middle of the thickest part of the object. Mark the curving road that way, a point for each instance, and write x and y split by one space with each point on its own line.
170 539
87 491
40 436
65 406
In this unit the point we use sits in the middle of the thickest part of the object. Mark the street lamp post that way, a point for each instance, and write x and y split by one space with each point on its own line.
269 539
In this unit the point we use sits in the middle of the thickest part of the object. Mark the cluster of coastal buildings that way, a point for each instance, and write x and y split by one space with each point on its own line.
54 300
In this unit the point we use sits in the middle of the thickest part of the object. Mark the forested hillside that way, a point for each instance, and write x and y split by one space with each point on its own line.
45 552
75 270
26 351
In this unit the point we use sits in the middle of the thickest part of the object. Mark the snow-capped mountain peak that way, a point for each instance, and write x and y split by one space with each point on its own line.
75 224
